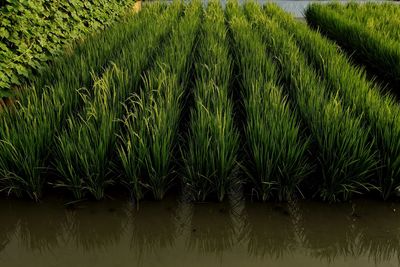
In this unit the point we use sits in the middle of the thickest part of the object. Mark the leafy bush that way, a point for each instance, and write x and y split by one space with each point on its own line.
28 129
33 31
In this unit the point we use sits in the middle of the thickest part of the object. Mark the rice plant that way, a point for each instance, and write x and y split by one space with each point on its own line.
381 112
85 148
277 161
372 47
209 157
152 121
382 17
28 127
345 154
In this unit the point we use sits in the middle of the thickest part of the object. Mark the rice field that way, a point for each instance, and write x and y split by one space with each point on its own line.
370 33
209 100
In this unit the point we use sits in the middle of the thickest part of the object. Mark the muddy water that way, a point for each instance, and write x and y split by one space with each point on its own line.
174 233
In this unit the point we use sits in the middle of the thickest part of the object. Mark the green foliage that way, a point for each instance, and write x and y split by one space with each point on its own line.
213 142
368 45
28 130
381 17
381 112
110 110
345 155
152 122
85 148
277 161
34 31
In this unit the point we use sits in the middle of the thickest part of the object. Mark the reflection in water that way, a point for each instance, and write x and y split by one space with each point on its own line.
154 226
176 233
97 225
269 230
378 231
41 225
8 223
327 232
351 230
212 228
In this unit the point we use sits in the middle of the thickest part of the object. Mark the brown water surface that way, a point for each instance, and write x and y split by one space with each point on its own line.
174 233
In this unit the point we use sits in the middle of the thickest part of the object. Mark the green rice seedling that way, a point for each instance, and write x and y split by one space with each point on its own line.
21 161
382 17
84 149
277 161
380 54
381 112
27 128
345 154
152 122
84 146
210 155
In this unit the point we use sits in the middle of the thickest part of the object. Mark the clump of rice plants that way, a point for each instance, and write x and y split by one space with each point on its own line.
382 17
210 155
152 121
379 111
345 154
27 129
370 46
277 161
84 149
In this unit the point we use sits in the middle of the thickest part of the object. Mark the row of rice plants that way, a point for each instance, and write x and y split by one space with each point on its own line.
84 149
382 17
372 47
381 112
151 125
209 156
345 156
92 54
28 127
276 153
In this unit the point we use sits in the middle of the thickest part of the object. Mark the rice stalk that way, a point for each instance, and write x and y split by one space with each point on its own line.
277 153
345 154
209 157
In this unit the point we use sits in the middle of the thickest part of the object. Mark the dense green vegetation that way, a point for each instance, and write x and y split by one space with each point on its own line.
204 100
29 129
213 142
275 168
344 154
84 148
381 112
370 34
34 31
152 122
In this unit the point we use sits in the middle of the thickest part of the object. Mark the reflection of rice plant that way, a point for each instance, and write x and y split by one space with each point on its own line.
259 231
215 237
112 224
150 234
